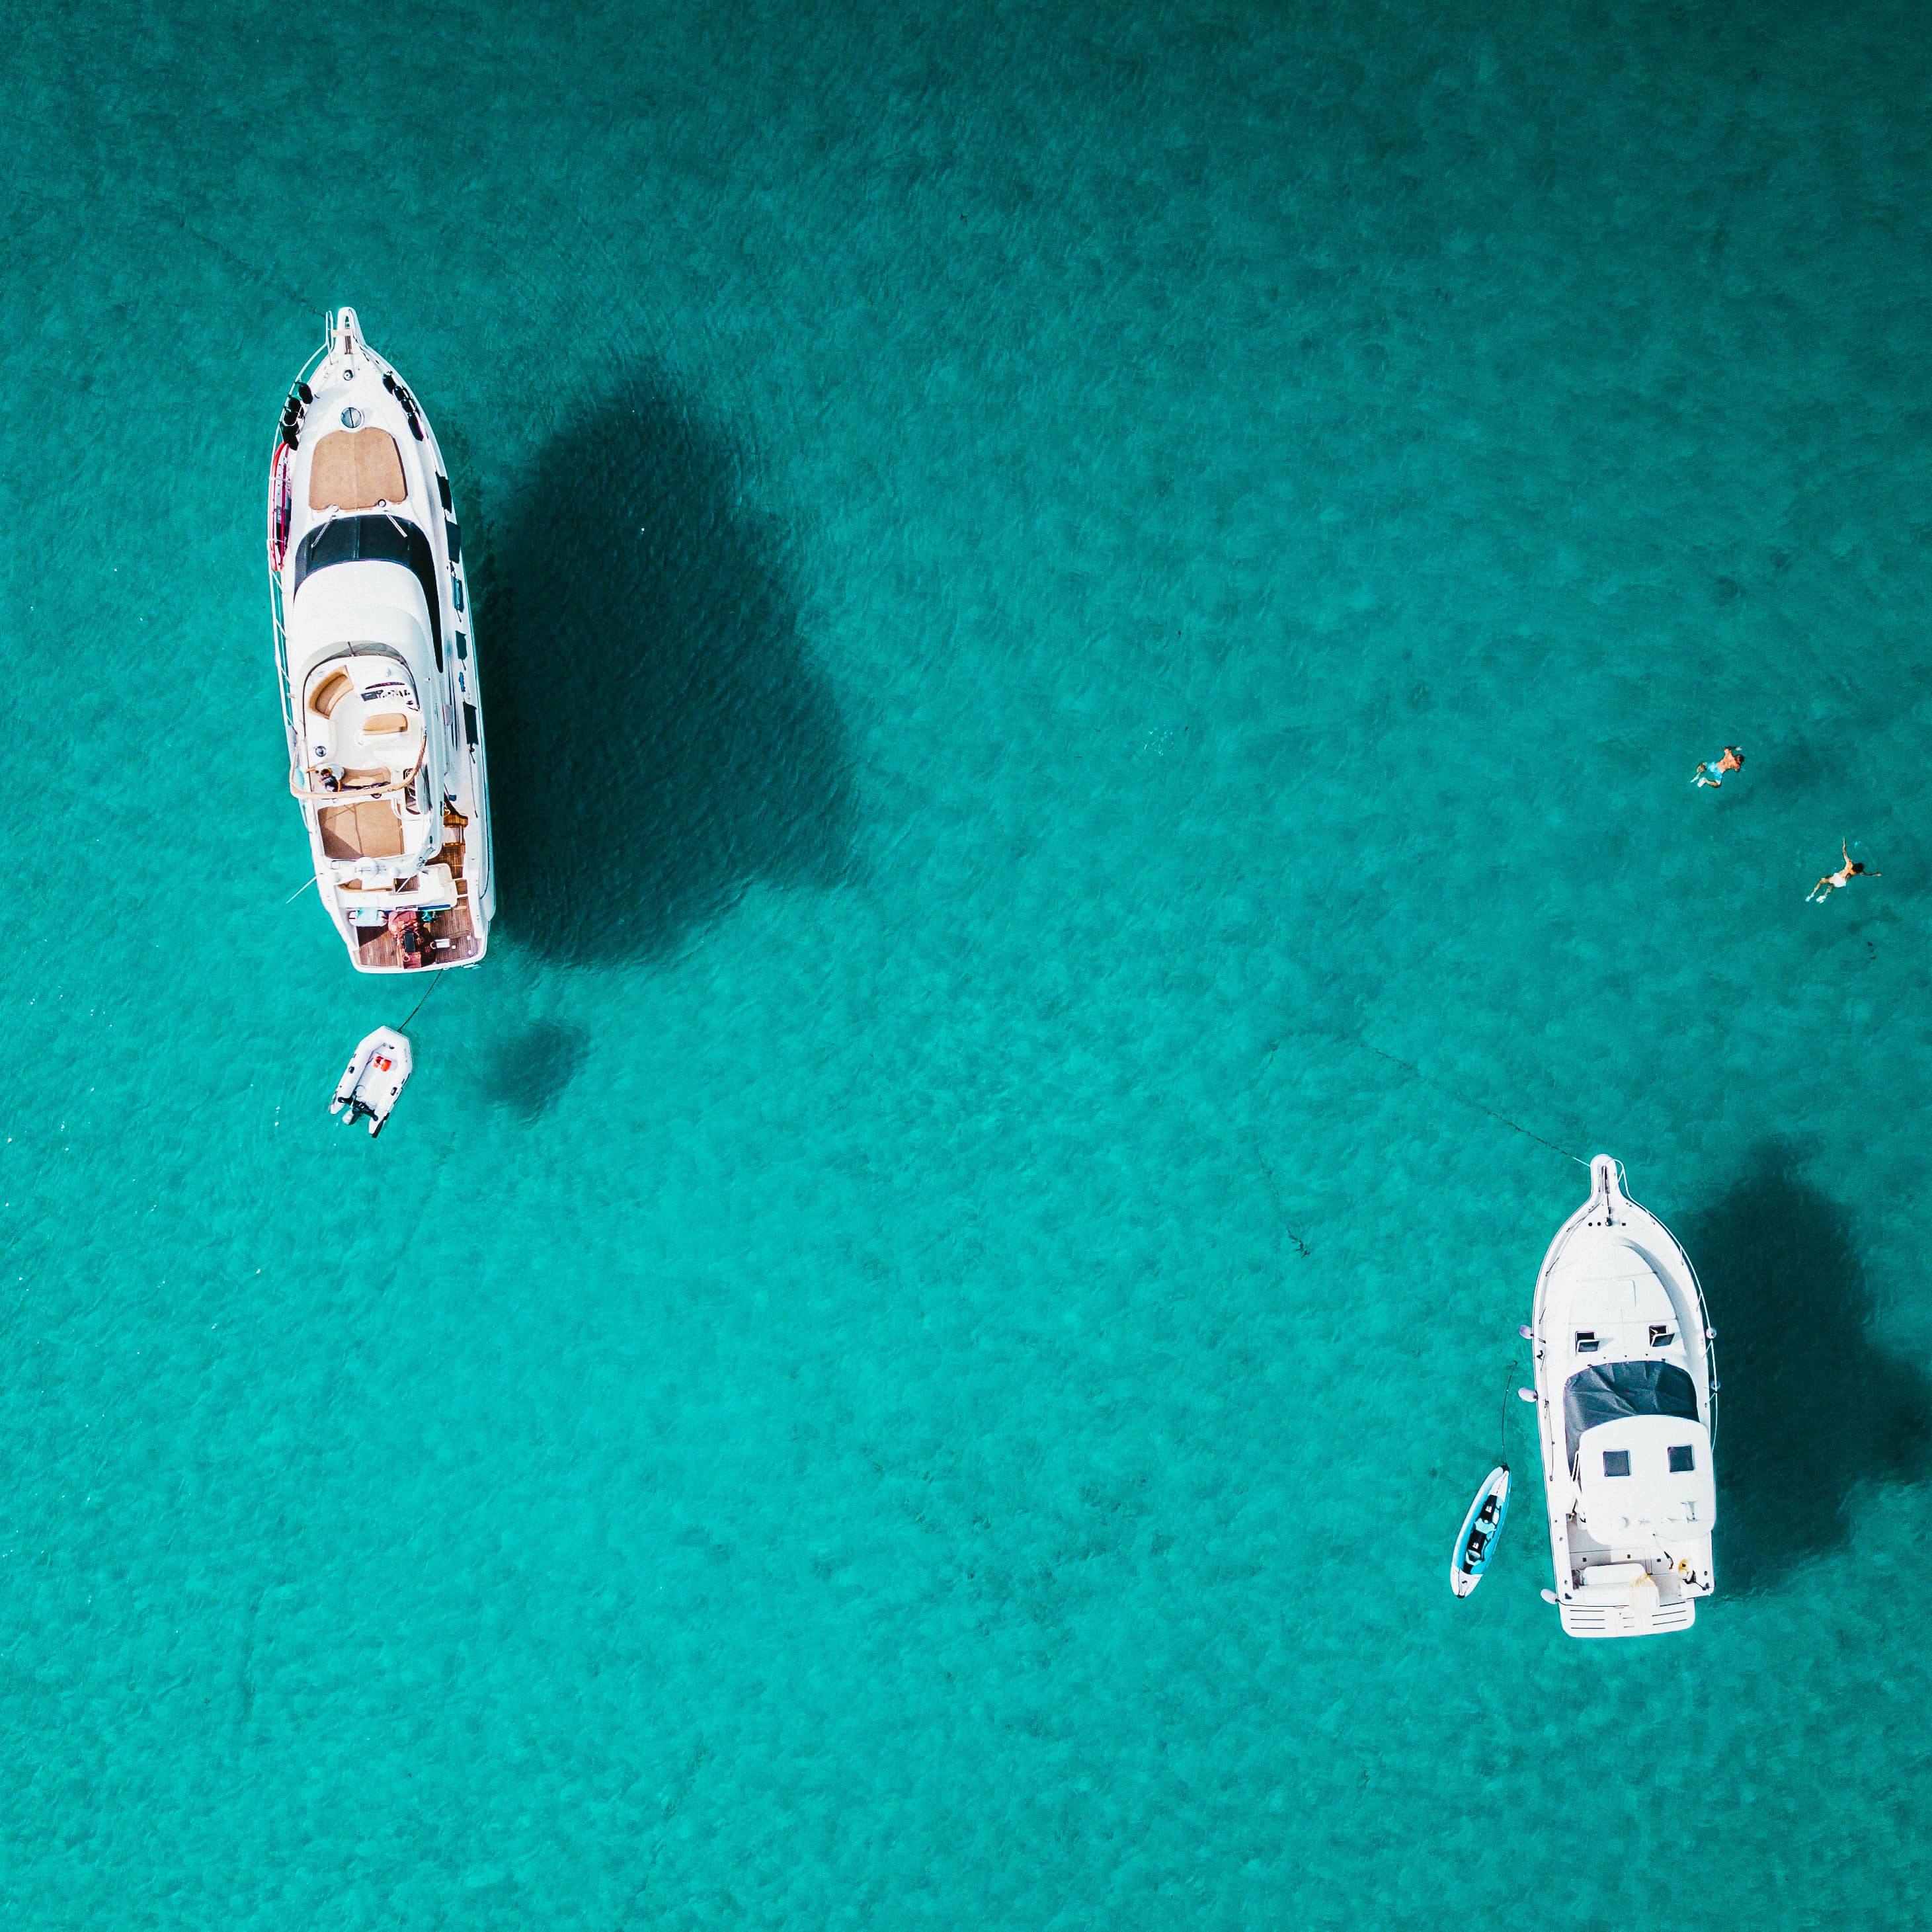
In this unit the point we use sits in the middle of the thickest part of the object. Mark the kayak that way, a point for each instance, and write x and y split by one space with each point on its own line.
1476 1540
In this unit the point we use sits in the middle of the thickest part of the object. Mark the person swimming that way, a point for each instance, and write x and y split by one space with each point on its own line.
1711 771
1852 868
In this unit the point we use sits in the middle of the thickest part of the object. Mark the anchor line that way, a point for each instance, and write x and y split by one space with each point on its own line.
1301 1247
1516 1126
1274 1189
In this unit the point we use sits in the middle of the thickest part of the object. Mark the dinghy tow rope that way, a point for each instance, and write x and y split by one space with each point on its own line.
441 975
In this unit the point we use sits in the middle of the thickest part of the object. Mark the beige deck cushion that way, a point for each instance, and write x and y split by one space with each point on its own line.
384 724
329 693
356 469
370 830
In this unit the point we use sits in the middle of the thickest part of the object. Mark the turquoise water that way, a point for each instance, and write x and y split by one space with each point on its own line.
1095 624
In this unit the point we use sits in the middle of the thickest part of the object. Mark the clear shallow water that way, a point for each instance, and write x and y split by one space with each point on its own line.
1063 601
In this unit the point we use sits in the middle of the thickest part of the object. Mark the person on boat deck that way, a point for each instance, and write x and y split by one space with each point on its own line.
1832 881
1711 771
406 930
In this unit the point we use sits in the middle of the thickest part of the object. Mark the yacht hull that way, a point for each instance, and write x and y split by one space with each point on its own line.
375 652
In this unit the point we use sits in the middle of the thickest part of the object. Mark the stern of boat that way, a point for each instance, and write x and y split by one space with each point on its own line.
1632 1599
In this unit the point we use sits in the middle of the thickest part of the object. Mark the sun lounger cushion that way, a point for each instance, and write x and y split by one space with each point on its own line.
329 693
355 469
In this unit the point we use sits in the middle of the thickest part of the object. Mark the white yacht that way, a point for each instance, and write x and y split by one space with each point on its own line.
1624 1389
376 656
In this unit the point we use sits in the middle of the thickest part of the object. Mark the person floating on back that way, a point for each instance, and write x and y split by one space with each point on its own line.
1831 881
1712 772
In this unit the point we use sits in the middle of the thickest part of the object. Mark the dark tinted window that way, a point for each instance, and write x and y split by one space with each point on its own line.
377 540
1616 1462
1683 1458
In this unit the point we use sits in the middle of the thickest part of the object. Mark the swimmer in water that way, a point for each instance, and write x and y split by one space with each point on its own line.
1852 868
1712 773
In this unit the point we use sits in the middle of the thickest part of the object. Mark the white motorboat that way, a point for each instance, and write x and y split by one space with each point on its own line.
372 1081
1624 1389
376 656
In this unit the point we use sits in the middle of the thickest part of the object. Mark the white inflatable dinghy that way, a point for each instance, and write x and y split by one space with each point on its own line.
1480 1528
373 1079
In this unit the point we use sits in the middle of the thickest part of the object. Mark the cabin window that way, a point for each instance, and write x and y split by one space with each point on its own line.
1616 1462
1683 1459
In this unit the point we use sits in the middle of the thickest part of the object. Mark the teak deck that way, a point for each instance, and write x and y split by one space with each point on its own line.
381 948
356 469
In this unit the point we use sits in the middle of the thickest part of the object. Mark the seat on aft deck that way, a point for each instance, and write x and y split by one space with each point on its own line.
372 829
329 693
356 469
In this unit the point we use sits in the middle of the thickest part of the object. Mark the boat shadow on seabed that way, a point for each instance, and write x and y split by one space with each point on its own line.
533 1067
659 738
1811 1407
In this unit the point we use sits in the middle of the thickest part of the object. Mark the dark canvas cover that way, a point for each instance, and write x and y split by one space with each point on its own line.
1608 1389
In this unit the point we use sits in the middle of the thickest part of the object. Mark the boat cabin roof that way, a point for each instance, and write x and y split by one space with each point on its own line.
371 605
1643 1477
1606 1391
372 554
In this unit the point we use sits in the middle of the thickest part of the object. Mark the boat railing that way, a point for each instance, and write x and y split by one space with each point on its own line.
289 720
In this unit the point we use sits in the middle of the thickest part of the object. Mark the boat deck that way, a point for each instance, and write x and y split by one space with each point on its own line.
453 935
356 469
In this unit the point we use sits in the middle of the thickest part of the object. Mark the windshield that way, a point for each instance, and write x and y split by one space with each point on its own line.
377 539
1614 1389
